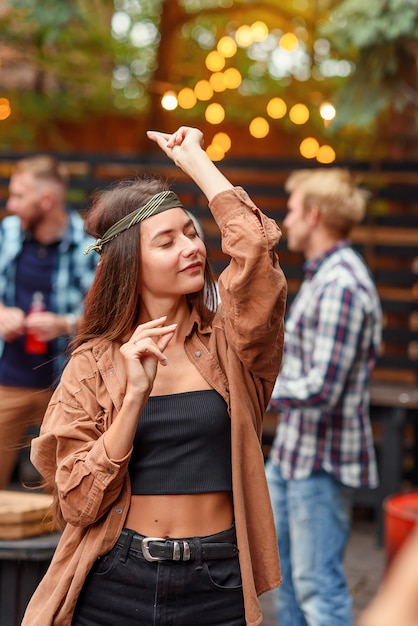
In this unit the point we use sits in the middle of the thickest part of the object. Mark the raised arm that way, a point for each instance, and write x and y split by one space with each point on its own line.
185 148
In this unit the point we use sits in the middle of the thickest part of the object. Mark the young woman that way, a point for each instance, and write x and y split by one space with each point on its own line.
152 439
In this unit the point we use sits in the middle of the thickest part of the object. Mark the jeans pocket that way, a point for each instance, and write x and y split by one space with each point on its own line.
224 573
105 564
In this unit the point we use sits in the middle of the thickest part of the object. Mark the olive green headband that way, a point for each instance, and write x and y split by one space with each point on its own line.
160 202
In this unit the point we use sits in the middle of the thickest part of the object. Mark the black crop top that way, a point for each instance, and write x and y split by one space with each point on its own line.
182 445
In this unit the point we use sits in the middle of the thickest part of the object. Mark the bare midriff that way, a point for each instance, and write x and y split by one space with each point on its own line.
185 515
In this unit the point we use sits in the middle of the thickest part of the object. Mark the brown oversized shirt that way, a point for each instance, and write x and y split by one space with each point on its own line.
239 355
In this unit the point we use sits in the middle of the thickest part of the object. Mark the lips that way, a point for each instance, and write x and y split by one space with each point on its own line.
193 267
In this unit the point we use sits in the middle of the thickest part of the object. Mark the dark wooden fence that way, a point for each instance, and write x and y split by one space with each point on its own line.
388 238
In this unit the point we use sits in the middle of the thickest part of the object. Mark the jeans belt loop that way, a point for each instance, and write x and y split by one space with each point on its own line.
198 557
125 548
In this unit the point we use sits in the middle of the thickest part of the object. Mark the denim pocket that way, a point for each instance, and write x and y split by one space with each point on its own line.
224 573
105 564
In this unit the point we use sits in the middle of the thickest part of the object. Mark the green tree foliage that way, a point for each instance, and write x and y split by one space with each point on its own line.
381 36
78 58
57 62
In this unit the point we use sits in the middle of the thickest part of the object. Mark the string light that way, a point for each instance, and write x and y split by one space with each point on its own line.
226 47
169 101
259 31
276 108
309 148
203 90
215 61
244 36
325 154
217 81
259 127
186 98
215 113
223 140
215 152
299 114
289 42
5 109
232 78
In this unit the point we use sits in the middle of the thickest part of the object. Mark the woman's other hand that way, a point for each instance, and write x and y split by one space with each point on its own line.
144 351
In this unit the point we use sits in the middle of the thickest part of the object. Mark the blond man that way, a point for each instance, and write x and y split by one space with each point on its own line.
323 447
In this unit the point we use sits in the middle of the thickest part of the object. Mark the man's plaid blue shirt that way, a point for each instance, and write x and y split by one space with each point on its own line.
332 337
71 278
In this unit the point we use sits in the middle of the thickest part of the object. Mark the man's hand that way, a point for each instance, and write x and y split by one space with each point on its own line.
12 323
44 325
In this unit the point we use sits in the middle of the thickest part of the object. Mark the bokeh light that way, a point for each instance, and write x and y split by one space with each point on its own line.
215 113
169 101
259 127
244 36
223 140
299 114
226 47
215 152
203 90
217 81
309 148
276 108
232 78
215 61
289 42
325 154
5 109
259 31
327 111
186 98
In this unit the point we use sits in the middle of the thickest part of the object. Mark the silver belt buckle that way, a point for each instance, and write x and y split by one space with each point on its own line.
176 550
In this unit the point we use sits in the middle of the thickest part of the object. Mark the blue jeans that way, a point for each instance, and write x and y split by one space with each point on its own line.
125 589
313 519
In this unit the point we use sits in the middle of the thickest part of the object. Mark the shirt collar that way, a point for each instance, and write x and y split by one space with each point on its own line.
311 266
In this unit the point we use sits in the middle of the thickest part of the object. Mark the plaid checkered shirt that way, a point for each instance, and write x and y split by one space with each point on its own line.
332 337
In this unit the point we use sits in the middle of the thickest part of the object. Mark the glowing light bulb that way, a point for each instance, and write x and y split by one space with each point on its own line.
276 108
215 61
215 113
309 148
203 90
169 101
289 42
259 127
327 111
325 154
222 140
226 47
186 98
5 109
299 114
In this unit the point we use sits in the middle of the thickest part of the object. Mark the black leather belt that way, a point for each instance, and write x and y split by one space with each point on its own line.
160 549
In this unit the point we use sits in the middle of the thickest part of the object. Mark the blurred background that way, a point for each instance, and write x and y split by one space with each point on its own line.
274 85
320 80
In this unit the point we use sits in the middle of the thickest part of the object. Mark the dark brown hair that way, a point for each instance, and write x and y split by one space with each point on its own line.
113 303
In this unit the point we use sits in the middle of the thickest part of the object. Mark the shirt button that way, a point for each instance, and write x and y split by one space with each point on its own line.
118 510
110 470
198 353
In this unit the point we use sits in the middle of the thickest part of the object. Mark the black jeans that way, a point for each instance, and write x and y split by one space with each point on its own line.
124 589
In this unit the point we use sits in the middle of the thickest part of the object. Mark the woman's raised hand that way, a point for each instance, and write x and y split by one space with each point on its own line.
185 148
173 144
143 352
